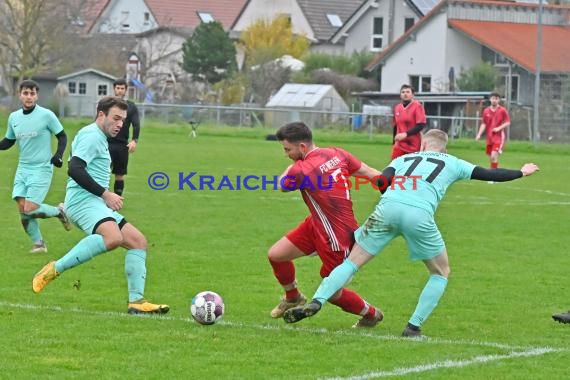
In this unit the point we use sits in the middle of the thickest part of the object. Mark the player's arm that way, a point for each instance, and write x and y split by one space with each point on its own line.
287 181
366 171
505 125
502 175
385 179
78 172
415 130
6 143
135 121
480 132
57 159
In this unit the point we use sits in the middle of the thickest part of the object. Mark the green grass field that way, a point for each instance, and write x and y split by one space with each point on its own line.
507 245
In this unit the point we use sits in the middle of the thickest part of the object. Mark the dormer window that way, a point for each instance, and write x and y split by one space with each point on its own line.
205 17
334 20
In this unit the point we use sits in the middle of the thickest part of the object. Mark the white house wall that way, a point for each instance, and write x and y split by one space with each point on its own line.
269 9
130 12
163 55
360 35
462 52
410 59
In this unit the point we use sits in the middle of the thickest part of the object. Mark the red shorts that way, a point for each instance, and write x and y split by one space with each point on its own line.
397 152
308 239
494 147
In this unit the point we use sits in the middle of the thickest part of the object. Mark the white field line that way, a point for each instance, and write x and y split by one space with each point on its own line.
484 359
273 327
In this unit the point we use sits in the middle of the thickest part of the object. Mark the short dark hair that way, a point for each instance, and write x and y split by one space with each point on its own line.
28 83
295 132
407 86
108 102
120 82
495 93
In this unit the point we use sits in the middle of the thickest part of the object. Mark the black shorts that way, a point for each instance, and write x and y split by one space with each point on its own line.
119 158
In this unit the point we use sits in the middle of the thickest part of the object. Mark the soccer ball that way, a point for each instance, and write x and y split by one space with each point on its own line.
207 307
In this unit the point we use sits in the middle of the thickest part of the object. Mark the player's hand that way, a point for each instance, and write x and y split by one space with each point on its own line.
400 136
132 146
112 200
477 138
529 169
56 161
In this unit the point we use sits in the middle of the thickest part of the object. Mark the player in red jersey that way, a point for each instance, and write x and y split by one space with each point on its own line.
409 120
320 175
494 122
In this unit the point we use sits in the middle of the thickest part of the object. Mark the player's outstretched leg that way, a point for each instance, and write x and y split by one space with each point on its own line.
65 222
46 275
562 317
298 313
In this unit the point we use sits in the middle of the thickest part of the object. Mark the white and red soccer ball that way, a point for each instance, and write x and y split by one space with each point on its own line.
207 307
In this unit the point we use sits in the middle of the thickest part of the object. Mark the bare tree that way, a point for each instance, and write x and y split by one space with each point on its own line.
36 36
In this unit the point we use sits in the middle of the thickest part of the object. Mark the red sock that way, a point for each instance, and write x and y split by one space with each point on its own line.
494 165
351 302
285 273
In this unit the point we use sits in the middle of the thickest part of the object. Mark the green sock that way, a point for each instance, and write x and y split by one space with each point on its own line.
44 211
335 281
32 227
135 268
429 298
89 247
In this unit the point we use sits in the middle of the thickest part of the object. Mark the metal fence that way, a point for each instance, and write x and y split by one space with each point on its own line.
554 128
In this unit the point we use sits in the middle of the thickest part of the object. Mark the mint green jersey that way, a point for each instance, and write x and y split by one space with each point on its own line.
32 133
90 145
421 179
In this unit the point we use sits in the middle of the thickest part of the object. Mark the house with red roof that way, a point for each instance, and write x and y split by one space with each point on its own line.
458 34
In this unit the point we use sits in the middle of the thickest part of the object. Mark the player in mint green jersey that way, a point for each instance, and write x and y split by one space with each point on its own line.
412 187
93 208
32 127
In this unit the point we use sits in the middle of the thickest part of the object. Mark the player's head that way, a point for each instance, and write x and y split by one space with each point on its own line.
120 87
406 92
29 91
296 138
495 98
111 112
434 140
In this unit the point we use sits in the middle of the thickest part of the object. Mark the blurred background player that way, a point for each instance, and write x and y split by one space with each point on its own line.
408 210
120 146
329 230
93 208
32 127
494 121
409 120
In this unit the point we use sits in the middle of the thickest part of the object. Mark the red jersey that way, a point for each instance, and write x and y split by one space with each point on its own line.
492 119
330 206
406 118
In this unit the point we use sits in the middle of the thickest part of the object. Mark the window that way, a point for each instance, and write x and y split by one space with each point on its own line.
146 18
205 17
102 90
421 83
514 94
82 88
72 87
377 33
334 20
125 20
408 23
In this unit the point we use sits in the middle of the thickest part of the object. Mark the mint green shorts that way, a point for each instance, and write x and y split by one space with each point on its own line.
32 184
88 213
392 219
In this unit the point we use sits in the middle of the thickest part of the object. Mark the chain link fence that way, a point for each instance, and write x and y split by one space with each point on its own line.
554 119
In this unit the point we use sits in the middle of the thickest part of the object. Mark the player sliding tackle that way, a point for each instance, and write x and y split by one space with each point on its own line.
404 211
